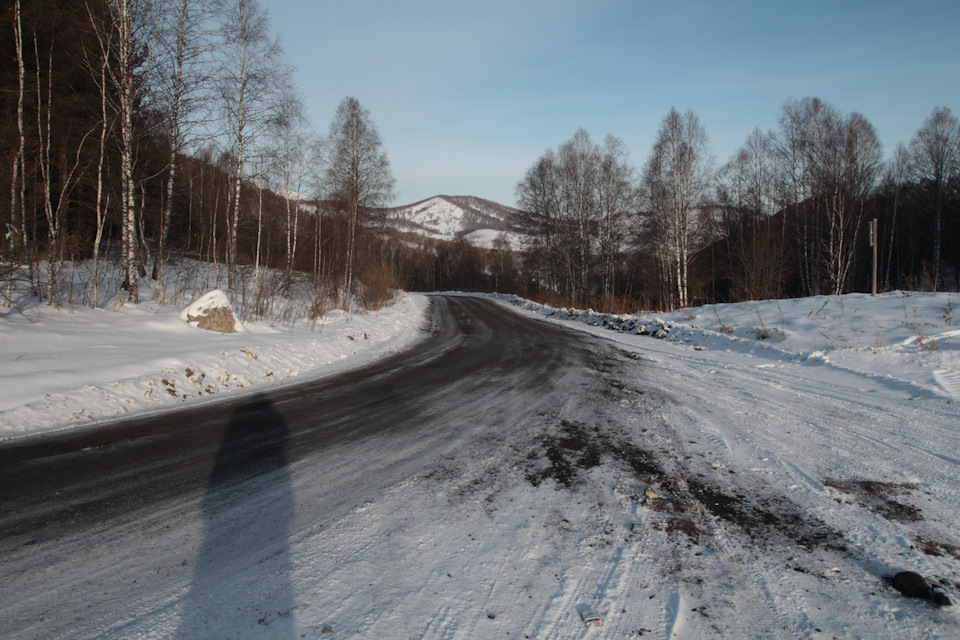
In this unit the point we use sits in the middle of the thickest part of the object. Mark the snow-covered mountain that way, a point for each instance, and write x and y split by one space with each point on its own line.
479 222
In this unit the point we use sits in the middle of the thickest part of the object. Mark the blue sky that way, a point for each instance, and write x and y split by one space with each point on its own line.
467 95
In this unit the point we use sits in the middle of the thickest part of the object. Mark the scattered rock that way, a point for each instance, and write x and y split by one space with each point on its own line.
910 584
913 585
651 494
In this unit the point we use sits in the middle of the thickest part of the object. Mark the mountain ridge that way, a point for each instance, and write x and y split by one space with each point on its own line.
477 221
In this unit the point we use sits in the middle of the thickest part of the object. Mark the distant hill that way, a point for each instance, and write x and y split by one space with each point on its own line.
477 221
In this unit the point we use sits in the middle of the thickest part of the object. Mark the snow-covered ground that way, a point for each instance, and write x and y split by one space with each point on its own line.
908 340
849 407
64 368
807 449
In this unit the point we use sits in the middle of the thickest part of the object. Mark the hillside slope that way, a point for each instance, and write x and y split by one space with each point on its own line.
479 222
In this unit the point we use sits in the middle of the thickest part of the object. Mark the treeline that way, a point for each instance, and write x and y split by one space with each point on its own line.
136 133
789 215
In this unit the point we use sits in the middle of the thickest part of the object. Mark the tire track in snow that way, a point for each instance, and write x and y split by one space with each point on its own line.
949 380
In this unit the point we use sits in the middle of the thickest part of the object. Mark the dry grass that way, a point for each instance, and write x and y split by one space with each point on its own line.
926 343
379 287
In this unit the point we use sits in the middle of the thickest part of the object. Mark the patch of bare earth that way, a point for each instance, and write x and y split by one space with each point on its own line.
879 497
684 496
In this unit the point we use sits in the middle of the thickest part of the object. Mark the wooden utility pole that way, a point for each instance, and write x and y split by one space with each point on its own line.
874 242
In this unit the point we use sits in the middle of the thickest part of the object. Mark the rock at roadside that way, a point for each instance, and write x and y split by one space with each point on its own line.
212 312
914 585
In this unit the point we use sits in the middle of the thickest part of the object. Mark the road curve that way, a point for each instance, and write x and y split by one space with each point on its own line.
477 351
486 479
113 525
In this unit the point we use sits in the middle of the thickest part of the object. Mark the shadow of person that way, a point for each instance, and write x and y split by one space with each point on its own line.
241 584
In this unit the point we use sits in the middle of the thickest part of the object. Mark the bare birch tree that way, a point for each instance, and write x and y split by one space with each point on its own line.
98 66
186 41
803 123
56 189
538 196
618 199
859 161
747 197
315 178
16 233
895 180
574 203
252 70
830 164
578 162
676 178
291 138
128 28
358 174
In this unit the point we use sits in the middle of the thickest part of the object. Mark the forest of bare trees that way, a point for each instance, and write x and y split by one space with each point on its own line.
139 135
576 201
788 215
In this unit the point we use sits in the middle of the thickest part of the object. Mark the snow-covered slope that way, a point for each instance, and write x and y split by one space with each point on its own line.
480 222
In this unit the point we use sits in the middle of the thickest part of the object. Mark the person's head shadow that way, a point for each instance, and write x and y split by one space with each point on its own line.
253 444
241 583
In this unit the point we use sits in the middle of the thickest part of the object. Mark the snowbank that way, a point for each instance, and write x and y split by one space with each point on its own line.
64 368
909 340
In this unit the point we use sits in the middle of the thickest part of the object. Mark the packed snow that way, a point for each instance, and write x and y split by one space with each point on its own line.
831 424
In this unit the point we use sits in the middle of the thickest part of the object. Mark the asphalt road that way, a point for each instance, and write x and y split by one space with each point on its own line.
245 518
479 359
139 522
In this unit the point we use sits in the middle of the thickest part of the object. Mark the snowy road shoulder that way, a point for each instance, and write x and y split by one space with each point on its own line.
862 439
906 341
68 368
